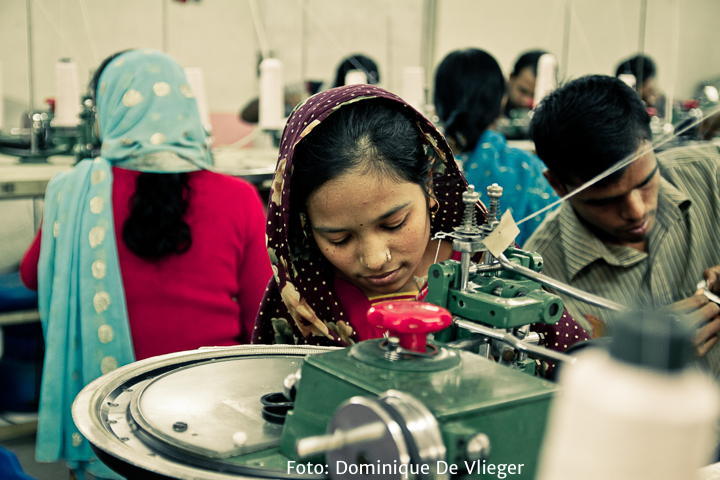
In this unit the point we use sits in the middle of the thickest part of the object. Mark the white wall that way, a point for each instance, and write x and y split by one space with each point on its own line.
601 34
216 35
311 36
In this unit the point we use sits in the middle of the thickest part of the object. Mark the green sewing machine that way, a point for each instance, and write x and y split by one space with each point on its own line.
400 401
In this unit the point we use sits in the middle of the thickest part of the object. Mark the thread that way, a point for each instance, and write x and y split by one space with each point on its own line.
2 99
355 77
413 87
615 420
196 79
546 79
67 94
628 79
272 102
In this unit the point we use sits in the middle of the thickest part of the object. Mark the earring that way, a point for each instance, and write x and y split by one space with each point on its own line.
434 209
304 225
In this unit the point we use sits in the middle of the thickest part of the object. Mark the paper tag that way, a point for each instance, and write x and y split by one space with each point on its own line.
503 236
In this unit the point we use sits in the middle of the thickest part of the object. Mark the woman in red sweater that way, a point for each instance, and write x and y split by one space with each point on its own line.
144 250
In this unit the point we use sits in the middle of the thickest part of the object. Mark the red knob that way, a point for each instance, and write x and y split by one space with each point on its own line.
410 321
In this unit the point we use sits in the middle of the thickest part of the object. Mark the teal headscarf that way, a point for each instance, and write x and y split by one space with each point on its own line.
149 121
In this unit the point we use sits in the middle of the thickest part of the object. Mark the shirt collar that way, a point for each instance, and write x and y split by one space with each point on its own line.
583 247
672 202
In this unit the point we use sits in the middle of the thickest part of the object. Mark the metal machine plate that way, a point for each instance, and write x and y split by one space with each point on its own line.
191 409
102 411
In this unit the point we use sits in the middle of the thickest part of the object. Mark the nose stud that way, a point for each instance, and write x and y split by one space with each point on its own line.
388 257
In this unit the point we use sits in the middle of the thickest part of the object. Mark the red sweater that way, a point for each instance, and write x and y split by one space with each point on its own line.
208 295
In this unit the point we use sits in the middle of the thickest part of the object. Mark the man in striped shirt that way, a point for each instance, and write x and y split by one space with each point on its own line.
644 235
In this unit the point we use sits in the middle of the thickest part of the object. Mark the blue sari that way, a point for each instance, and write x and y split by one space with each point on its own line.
520 173
149 121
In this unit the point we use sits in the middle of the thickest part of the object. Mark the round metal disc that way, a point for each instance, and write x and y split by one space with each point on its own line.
225 380
390 450
191 409
422 431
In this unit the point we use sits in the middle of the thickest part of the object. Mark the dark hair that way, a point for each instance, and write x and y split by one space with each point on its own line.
156 227
469 87
374 135
357 62
641 66
588 125
527 59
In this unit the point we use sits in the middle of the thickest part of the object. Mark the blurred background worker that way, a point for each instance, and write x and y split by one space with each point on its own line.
521 83
469 93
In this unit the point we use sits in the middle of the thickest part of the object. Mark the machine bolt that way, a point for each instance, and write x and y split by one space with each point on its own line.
180 426
470 198
478 447
495 192
392 354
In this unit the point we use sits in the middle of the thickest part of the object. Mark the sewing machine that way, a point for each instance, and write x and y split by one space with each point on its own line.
41 139
404 406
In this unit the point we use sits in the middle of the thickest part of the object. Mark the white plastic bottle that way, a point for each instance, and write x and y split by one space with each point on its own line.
639 411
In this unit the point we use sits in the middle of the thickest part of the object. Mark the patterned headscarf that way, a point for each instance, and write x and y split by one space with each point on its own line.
146 106
301 304
149 121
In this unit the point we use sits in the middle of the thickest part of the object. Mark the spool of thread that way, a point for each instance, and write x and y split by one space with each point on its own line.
412 89
196 79
546 79
355 77
628 78
272 101
67 94
645 416
2 100
710 92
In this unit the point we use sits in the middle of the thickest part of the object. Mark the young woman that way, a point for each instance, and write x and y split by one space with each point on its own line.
143 250
362 184
469 91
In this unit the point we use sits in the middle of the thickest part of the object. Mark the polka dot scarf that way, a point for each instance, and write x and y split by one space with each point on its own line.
146 106
149 121
301 305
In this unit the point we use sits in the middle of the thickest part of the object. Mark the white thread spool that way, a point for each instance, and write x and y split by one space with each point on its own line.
546 79
2 99
622 421
355 77
272 98
196 79
413 86
711 93
628 79
67 94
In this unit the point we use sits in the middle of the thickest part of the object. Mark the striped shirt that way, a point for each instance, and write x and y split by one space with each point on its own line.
681 245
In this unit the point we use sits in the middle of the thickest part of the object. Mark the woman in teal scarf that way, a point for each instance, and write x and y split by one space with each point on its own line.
148 121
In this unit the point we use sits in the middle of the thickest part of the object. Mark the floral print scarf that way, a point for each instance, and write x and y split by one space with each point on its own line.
301 304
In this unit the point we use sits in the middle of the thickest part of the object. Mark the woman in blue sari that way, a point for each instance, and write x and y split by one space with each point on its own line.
469 92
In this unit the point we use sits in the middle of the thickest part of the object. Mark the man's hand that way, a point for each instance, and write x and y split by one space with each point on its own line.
712 277
703 315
